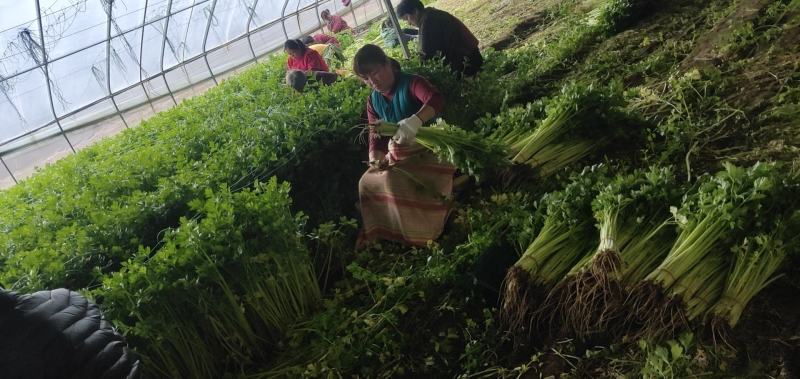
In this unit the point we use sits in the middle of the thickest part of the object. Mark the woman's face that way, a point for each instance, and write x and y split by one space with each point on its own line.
380 77
294 53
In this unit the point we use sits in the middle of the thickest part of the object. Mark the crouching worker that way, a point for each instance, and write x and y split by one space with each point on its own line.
404 193
330 52
442 34
389 34
305 63
59 334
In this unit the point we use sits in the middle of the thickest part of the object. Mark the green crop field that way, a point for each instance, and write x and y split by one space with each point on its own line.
634 210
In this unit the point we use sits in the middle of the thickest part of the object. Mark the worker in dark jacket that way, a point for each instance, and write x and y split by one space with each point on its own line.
441 33
59 334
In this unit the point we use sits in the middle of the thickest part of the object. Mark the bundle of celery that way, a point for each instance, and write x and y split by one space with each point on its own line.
632 213
756 258
690 280
472 153
568 234
580 120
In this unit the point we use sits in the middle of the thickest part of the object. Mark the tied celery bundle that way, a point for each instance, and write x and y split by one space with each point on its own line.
632 214
472 153
568 235
755 260
579 121
690 280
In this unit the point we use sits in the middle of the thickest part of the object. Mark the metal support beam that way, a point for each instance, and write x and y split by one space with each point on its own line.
297 17
141 58
319 19
163 47
47 75
400 35
108 63
283 18
145 77
353 12
8 169
76 51
247 30
205 41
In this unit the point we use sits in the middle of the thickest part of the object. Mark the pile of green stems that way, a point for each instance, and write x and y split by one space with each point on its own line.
752 270
556 250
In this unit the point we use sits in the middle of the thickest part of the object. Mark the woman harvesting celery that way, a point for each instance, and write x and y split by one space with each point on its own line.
403 193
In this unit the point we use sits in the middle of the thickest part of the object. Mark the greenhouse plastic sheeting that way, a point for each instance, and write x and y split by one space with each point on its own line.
75 71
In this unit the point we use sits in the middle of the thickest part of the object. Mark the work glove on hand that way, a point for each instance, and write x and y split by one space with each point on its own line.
407 129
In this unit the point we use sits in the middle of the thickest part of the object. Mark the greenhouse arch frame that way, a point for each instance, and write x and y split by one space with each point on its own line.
46 120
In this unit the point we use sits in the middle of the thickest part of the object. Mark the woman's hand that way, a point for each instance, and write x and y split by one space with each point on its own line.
407 129
379 164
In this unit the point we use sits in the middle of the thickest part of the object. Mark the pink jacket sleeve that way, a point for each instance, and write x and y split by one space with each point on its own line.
313 61
378 145
427 94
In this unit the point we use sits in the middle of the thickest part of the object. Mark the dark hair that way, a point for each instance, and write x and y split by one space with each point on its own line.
369 56
324 13
307 40
296 79
408 7
295 44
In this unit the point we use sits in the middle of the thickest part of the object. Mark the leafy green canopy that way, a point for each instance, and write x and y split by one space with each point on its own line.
220 290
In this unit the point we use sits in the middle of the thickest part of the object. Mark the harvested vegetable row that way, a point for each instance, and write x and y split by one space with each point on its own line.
579 121
632 213
713 220
568 235
755 260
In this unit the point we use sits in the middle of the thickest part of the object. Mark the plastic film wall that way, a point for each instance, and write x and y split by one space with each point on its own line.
75 71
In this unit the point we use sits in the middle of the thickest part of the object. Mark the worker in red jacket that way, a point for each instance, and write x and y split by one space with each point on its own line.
321 38
335 23
304 63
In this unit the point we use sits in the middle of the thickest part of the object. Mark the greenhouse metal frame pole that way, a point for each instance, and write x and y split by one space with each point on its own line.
8 169
205 41
148 78
397 29
163 47
353 13
142 78
141 58
47 76
87 47
316 13
283 19
247 30
108 64
297 17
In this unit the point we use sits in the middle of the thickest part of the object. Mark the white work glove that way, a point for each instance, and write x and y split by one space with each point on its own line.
407 129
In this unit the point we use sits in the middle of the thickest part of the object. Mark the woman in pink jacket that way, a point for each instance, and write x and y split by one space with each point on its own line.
304 62
335 23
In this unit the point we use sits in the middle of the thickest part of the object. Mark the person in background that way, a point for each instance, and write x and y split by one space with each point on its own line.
389 34
441 33
331 53
335 23
403 194
60 334
321 38
304 63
